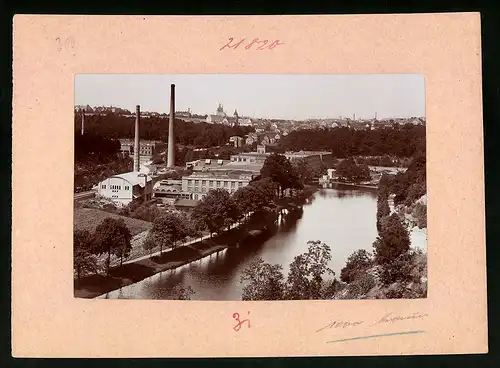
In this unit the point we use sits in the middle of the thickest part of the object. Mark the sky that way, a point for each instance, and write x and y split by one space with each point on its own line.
279 96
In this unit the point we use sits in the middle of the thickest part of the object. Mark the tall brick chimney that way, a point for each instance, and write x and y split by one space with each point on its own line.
171 138
136 138
83 121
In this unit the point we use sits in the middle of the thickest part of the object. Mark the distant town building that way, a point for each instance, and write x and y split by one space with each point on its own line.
237 141
205 164
124 188
147 149
244 121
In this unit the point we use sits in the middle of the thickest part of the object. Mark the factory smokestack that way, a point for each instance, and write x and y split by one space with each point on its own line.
136 138
171 138
83 121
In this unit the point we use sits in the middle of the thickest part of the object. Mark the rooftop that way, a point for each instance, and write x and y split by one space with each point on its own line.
252 154
133 177
306 153
239 166
226 174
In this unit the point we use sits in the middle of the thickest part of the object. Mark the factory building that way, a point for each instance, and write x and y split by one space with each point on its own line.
169 191
135 185
200 183
124 188
314 160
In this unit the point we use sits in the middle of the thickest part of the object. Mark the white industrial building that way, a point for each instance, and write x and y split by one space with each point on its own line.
200 183
124 188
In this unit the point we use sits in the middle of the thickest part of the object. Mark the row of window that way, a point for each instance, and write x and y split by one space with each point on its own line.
205 189
115 187
213 182
242 159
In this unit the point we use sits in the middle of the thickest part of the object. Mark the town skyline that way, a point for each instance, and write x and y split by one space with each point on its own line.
261 96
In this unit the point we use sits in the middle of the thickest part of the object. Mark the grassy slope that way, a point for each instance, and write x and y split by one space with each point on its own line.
89 218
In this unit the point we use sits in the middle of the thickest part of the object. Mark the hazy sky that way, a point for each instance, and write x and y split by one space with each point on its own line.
283 96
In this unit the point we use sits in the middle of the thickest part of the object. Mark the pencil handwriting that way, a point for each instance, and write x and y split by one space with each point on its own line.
391 318
67 43
388 318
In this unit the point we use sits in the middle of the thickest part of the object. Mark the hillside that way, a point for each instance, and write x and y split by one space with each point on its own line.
89 218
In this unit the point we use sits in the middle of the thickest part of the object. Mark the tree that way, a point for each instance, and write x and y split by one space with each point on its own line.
217 210
243 198
112 236
255 196
304 172
305 278
308 277
280 170
393 240
196 228
169 228
264 281
357 263
149 243
83 259
350 171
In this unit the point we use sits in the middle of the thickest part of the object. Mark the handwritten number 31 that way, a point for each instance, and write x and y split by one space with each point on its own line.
239 323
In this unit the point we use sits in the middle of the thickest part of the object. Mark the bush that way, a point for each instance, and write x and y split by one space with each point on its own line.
401 292
420 214
400 270
361 286
357 263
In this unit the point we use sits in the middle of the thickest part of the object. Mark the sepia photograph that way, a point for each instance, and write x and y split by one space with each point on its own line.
250 187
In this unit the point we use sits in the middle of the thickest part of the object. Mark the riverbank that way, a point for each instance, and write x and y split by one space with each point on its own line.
258 225
130 273
370 186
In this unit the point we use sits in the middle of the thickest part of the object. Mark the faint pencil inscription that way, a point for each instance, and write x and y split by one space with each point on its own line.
67 43
341 324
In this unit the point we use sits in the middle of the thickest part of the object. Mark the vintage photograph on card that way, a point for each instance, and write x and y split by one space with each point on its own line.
250 187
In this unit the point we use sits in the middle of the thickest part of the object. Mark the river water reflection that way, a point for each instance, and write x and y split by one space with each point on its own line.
343 217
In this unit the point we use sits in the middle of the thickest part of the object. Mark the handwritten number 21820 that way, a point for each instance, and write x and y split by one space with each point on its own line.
259 44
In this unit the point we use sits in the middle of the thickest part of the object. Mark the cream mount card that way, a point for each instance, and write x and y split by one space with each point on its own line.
383 75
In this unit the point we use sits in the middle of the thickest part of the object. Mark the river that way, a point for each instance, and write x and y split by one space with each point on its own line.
343 217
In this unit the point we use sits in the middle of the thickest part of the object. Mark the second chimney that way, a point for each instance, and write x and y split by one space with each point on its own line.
83 121
136 138
171 138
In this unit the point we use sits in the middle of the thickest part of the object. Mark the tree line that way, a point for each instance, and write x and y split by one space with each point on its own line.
400 141
187 133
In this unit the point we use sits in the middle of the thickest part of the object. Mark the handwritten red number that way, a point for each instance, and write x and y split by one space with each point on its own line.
275 43
264 44
239 323
228 45
255 40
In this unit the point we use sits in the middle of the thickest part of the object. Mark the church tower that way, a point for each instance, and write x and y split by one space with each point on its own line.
220 110
235 115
